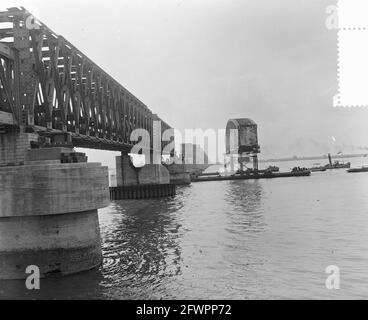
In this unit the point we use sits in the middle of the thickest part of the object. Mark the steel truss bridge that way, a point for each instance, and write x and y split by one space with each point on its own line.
50 87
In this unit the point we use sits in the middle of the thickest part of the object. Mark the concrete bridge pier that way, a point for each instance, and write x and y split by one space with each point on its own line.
180 174
48 209
149 181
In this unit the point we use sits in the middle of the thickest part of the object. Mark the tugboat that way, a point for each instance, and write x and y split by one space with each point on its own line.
336 164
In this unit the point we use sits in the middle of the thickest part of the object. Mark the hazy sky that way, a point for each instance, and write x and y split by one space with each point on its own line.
198 63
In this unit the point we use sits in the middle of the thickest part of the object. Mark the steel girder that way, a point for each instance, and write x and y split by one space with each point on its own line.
47 83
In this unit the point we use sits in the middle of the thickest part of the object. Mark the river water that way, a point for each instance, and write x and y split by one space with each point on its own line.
264 239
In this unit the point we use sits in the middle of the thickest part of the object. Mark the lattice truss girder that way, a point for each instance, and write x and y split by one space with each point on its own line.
49 83
7 85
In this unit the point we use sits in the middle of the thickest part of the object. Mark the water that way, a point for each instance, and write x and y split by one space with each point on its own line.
260 239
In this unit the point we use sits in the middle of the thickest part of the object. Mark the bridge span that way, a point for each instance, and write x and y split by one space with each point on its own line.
50 87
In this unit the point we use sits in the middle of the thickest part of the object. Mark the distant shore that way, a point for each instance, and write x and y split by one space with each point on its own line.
321 157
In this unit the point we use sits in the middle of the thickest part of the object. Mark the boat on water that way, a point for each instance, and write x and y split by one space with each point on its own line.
250 176
362 169
267 170
336 164
317 167
272 169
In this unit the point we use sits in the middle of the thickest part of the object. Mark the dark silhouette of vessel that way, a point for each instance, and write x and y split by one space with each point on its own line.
317 167
362 169
336 164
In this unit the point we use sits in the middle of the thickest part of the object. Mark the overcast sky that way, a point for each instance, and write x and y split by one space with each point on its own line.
198 63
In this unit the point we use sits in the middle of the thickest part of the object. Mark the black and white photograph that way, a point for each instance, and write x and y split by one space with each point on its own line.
183 150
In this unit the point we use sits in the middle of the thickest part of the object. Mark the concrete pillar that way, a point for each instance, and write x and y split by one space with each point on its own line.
127 175
48 215
153 174
179 174
14 147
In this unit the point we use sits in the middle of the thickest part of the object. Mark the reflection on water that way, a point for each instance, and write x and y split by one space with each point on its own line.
141 251
228 240
245 200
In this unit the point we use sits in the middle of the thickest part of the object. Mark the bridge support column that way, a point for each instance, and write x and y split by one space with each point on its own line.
14 147
137 183
48 214
180 174
126 174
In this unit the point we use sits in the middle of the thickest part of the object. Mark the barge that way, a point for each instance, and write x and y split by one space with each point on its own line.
362 169
268 175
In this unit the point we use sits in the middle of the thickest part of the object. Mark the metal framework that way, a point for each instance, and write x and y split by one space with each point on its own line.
48 85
